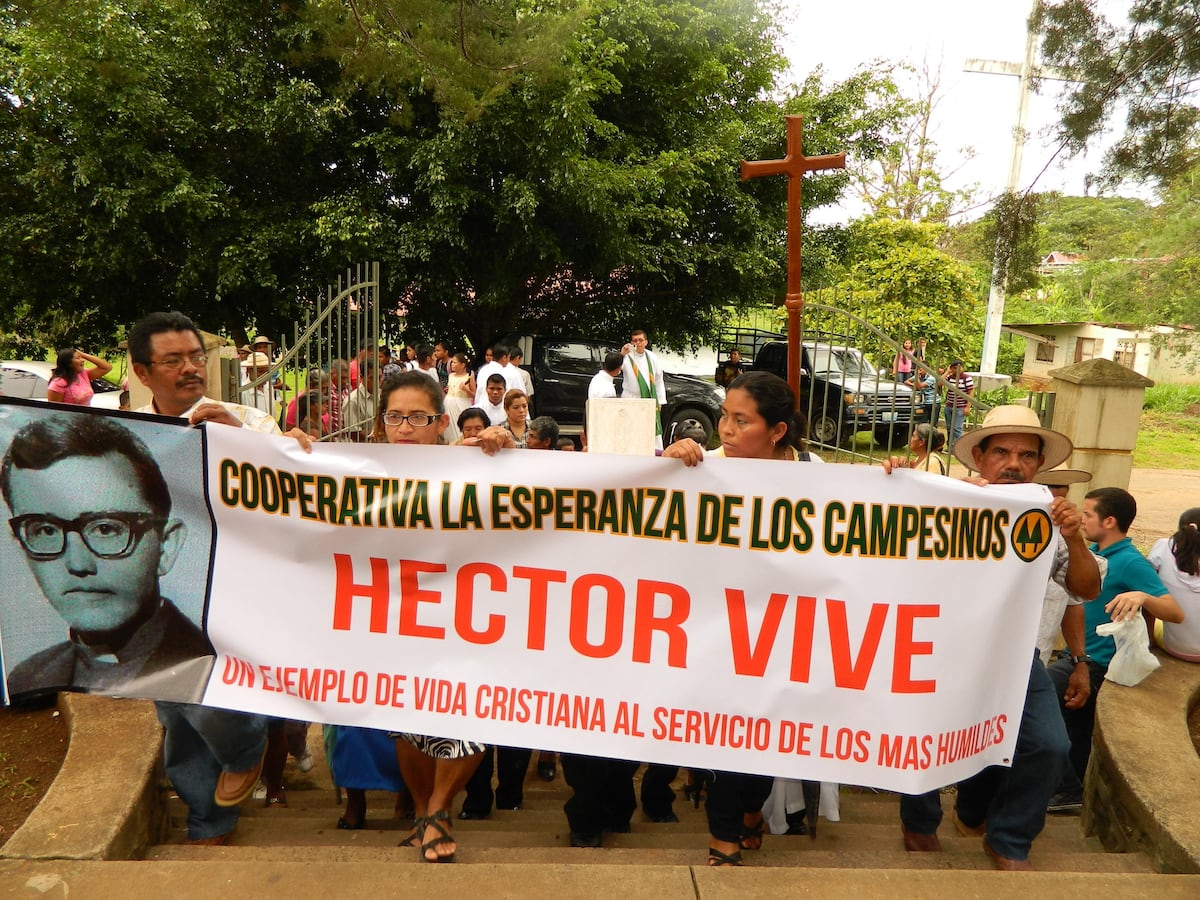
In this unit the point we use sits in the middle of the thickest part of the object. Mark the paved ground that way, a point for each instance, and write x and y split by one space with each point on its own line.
1162 494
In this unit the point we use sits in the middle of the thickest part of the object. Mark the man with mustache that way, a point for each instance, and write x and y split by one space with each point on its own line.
1007 807
213 757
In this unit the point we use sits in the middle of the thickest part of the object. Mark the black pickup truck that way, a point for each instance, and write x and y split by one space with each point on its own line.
562 369
841 393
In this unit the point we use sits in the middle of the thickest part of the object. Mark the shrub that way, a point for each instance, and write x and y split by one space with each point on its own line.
1172 397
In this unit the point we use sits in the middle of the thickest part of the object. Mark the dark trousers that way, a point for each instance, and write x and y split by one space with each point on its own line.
510 766
732 795
1013 800
602 796
1080 722
657 796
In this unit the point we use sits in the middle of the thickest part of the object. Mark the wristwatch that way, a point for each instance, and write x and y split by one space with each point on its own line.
1082 658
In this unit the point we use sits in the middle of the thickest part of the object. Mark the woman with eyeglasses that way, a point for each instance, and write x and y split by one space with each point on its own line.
71 379
412 411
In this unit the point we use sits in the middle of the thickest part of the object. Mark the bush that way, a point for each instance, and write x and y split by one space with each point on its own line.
1171 397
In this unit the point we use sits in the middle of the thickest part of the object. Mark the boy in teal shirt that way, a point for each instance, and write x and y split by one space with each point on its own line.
1130 585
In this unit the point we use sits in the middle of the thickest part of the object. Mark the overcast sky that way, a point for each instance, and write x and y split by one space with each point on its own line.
976 110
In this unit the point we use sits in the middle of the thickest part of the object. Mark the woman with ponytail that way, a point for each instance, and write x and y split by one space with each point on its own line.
1177 560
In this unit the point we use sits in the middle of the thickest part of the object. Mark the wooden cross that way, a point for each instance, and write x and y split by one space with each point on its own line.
794 165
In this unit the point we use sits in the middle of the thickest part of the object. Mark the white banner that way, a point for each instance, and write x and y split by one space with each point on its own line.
827 622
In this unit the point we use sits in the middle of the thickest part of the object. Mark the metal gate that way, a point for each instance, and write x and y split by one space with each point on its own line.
337 328
857 408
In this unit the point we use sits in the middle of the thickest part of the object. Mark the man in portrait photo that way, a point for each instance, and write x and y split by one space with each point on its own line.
91 512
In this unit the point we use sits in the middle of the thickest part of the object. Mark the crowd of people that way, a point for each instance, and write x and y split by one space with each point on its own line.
215 758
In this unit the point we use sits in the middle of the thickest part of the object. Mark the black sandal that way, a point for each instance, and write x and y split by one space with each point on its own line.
414 836
752 835
717 859
444 837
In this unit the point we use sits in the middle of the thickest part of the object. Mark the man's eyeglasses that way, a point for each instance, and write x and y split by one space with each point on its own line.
199 360
110 535
416 420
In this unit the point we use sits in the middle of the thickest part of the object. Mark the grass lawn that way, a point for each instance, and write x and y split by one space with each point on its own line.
1168 440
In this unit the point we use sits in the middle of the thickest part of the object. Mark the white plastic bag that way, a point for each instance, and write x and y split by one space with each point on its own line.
1133 660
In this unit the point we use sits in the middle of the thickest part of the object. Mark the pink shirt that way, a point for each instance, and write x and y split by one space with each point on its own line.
79 392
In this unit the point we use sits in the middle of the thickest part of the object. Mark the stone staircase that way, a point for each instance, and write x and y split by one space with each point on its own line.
867 837
88 838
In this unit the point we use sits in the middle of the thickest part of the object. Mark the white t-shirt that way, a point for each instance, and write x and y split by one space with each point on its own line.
602 385
251 418
1181 639
481 377
496 414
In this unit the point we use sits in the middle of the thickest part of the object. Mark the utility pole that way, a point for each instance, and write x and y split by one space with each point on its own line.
1026 72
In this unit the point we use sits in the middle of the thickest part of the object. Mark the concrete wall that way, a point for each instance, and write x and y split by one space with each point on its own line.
1177 361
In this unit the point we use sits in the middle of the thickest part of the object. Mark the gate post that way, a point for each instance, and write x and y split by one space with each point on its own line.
1099 407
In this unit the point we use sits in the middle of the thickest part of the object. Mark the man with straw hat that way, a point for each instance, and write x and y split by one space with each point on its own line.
1008 806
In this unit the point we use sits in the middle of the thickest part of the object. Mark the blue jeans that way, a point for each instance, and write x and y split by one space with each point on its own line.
1012 801
200 742
954 425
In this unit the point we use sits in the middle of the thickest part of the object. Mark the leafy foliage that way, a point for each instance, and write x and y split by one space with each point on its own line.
464 53
1098 227
1176 398
1011 228
161 155
1141 264
227 159
1149 64
896 278
609 197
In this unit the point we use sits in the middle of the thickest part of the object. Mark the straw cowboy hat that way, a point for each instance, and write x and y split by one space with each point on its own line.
256 360
1014 419
1061 477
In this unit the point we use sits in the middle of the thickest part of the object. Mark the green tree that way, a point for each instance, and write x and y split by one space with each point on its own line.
228 159
1148 65
1097 227
464 53
895 277
164 155
609 198
1162 284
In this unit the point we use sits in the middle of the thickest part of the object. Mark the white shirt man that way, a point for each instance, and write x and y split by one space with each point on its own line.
212 756
260 397
495 366
604 382
526 379
358 412
493 399
643 376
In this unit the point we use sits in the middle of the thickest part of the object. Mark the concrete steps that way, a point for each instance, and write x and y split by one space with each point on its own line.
85 837
866 837
221 878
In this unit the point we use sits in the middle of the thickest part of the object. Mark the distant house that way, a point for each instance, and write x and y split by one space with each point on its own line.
1057 261
1163 353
